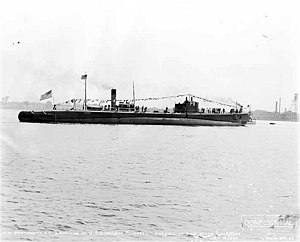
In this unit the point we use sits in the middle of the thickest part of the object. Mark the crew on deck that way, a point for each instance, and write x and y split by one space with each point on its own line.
236 110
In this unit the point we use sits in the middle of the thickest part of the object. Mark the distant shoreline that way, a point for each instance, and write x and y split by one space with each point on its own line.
275 116
26 105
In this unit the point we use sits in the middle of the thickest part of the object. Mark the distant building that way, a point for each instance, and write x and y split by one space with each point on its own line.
290 115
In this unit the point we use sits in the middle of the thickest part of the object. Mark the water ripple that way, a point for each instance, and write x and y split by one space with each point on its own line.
126 182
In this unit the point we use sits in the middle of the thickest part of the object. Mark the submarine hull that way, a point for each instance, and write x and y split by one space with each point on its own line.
114 117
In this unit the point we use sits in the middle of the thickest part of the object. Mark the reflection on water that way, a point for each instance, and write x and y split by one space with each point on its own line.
112 182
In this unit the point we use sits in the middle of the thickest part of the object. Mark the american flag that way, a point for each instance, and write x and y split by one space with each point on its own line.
46 95
84 77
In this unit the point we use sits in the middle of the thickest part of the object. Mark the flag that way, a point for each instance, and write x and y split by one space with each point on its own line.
84 77
46 95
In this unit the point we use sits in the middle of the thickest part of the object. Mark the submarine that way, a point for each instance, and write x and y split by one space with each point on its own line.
187 113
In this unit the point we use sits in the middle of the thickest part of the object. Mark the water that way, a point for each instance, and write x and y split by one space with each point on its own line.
126 182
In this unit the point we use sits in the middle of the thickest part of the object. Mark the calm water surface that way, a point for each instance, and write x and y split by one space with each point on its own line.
126 182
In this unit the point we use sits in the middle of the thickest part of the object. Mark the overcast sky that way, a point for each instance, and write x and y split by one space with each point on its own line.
245 50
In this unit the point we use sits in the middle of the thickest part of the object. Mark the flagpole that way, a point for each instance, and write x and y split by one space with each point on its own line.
133 96
53 98
85 91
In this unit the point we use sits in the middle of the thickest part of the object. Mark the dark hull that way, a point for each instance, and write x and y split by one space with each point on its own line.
112 117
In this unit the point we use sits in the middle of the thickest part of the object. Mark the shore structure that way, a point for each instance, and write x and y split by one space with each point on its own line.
126 112
291 115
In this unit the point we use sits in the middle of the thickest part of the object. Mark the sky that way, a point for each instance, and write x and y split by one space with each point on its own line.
247 51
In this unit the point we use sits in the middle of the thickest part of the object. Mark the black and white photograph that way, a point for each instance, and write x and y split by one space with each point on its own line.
149 120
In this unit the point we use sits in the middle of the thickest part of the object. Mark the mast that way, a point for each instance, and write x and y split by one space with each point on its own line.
85 91
133 94
53 99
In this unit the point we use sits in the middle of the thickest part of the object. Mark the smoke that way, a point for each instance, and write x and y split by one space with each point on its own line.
229 100
106 86
101 85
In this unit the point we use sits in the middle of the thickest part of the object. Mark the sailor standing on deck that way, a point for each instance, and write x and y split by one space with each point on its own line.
241 109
